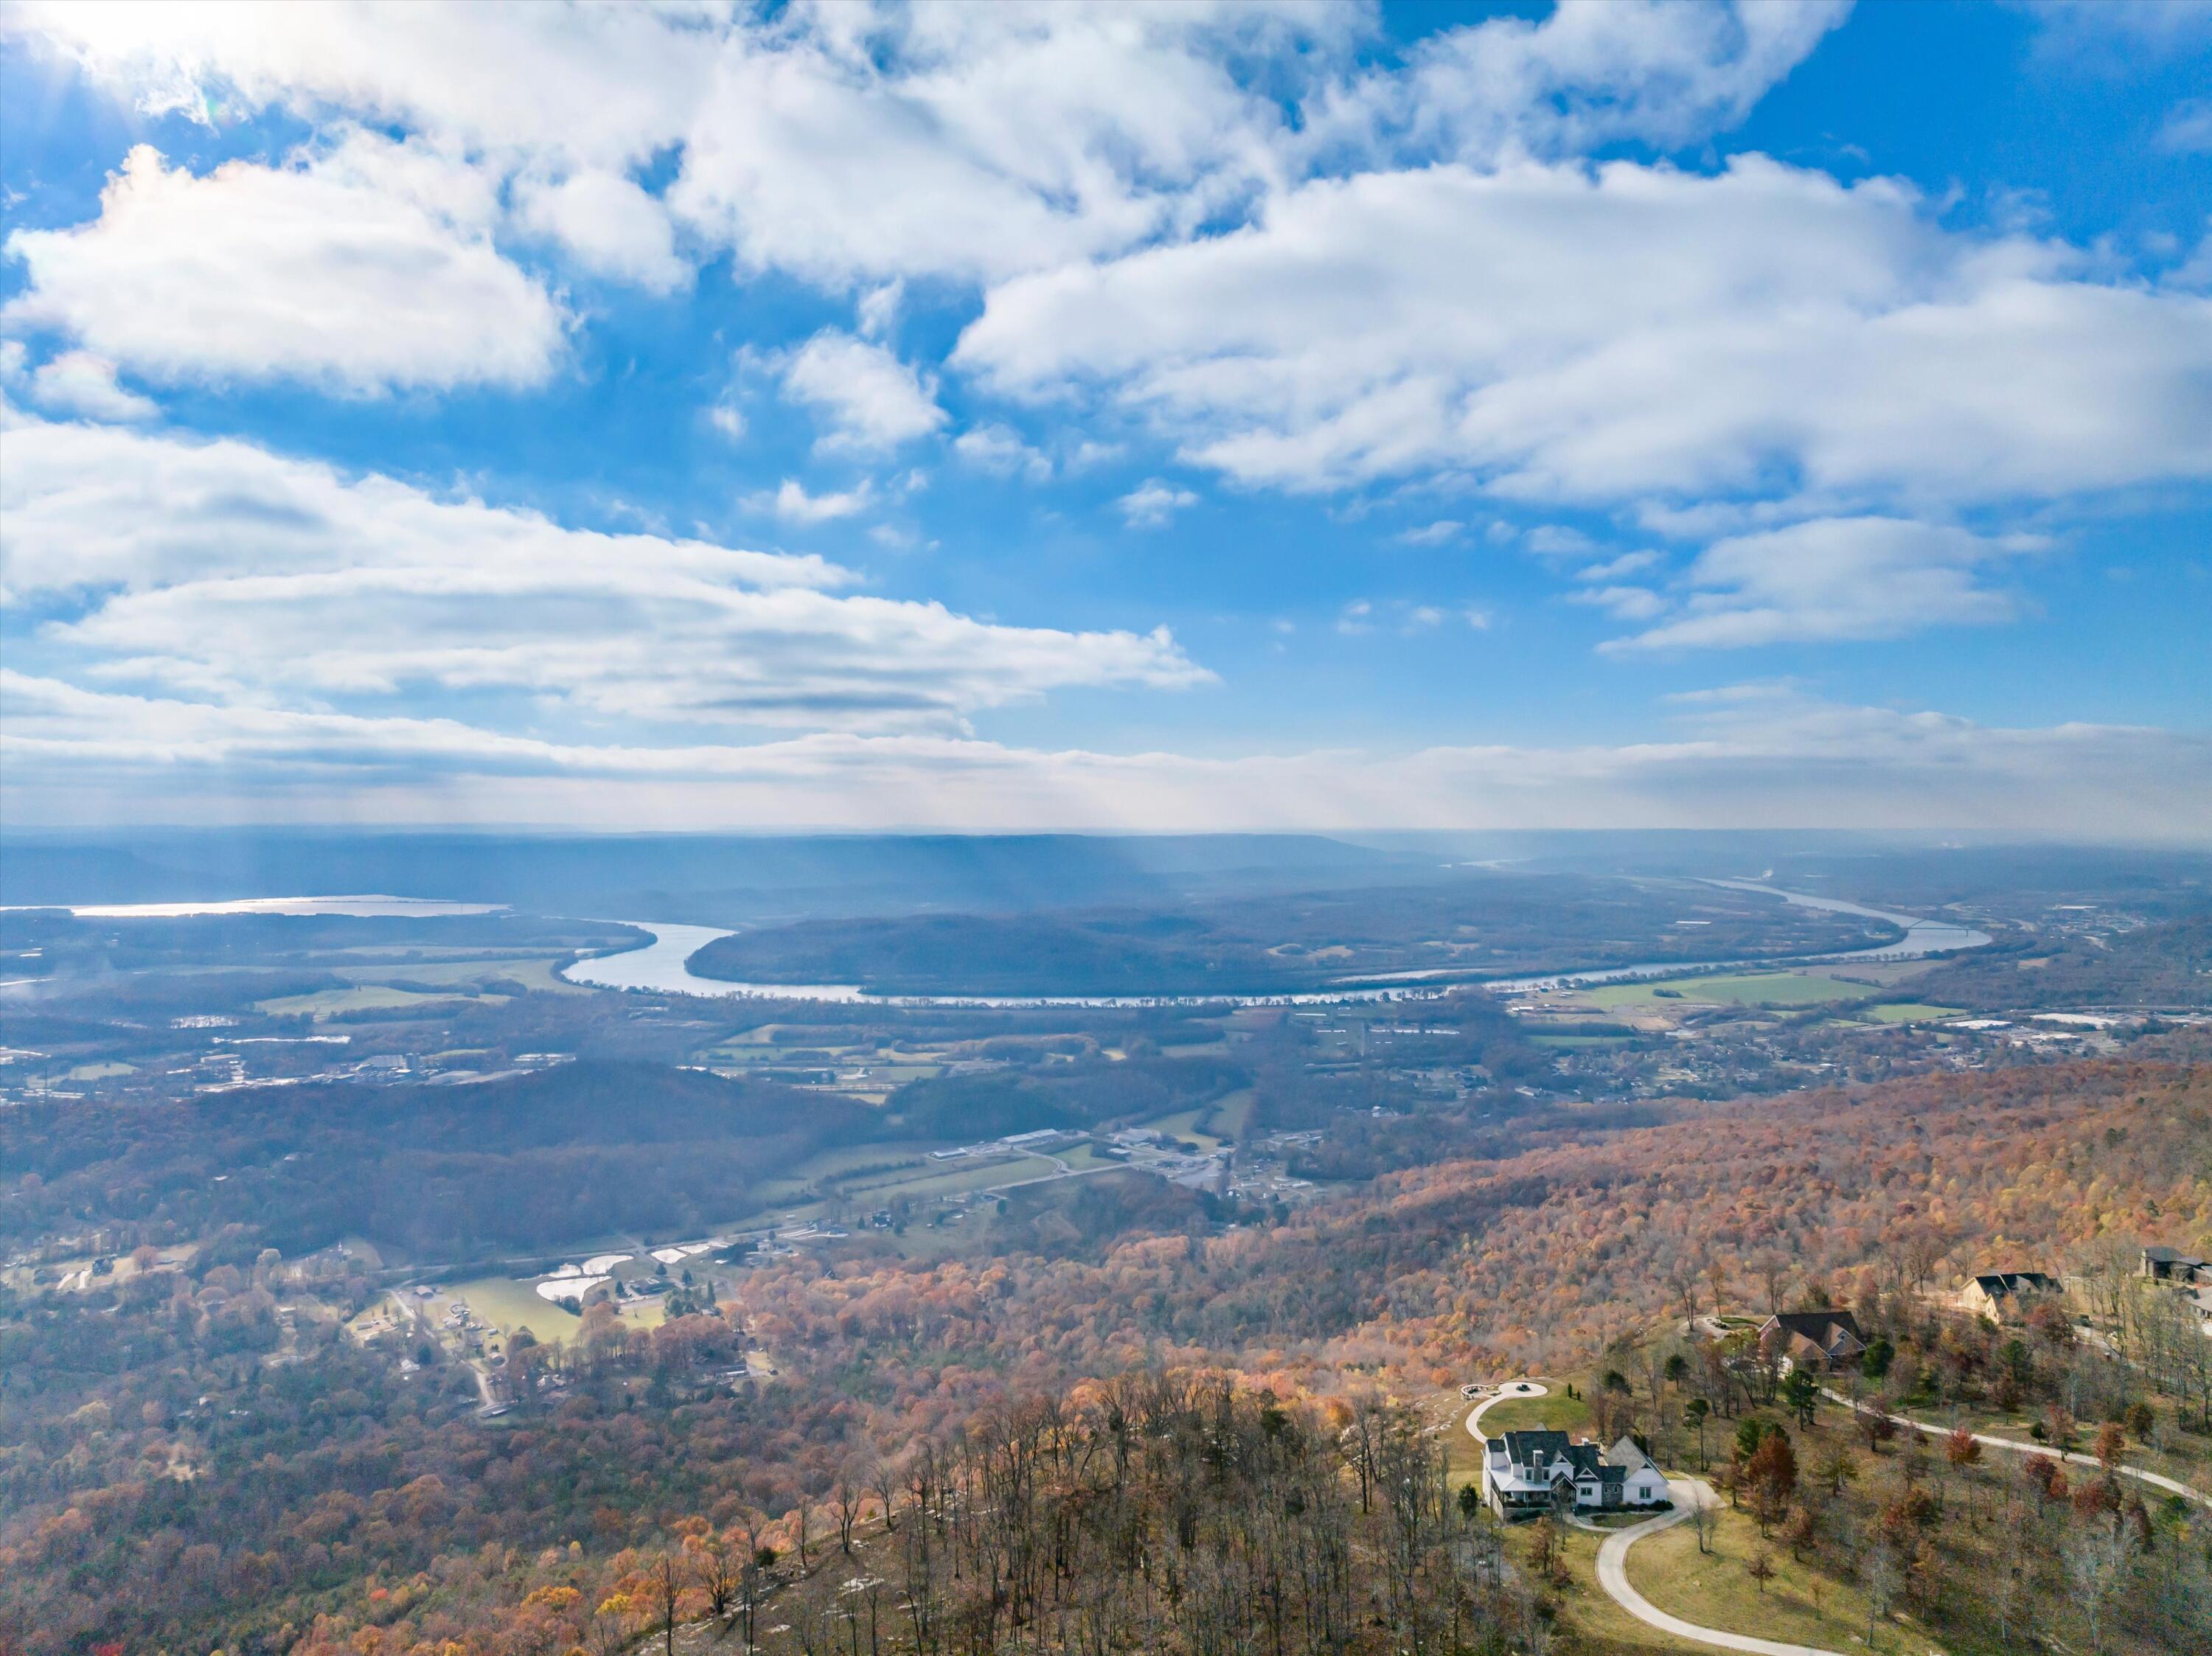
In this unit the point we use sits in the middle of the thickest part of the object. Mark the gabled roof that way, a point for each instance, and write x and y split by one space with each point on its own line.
1625 1453
1547 1448
1998 1283
1821 1327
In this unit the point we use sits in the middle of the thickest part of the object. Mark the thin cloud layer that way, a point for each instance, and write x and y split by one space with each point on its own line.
1761 760
222 571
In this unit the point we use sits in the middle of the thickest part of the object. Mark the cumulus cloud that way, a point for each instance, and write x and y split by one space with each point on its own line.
1152 503
792 502
1576 334
1831 577
1593 72
1431 534
854 145
865 399
77 382
998 449
608 225
366 266
2187 128
222 573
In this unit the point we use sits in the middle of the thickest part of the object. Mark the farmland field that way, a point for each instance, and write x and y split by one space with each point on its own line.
1911 1011
1747 989
507 1304
362 997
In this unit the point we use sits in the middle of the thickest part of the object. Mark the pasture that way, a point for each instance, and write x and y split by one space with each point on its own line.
1740 989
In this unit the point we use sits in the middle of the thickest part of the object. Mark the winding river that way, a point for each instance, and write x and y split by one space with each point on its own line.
663 966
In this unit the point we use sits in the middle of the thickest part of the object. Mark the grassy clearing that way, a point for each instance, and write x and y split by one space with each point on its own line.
362 997
1745 989
1581 1040
1801 1604
507 1304
1555 1411
1912 1011
1600 1627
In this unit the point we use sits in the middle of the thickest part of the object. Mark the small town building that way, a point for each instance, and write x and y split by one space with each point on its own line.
1527 1474
1815 1339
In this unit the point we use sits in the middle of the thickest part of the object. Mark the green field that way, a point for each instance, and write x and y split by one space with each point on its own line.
507 1304
362 997
1581 1040
1746 989
1912 1011
1556 1412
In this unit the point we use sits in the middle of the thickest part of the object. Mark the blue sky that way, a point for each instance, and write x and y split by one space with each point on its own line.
1167 417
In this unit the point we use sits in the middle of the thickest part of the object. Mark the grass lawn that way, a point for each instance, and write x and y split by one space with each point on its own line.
507 1304
362 997
1912 1011
1801 1606
1745 989
1231 1113
1556 1412
1600 1627
1183 1123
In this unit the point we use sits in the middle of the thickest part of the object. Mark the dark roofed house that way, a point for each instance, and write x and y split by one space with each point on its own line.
1993 1291
2168 1264
1819 1339
1526 1473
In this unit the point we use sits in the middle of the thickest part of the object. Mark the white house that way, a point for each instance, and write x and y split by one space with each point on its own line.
1527 1473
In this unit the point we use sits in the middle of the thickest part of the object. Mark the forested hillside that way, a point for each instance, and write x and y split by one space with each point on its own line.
168 1487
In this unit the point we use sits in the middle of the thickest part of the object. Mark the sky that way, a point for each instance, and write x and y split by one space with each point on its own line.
1108 416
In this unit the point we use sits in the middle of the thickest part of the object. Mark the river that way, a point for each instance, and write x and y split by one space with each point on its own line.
663 966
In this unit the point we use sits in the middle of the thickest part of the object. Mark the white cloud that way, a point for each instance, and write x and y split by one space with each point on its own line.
1593 72
1628 563
364 267
1849 578
77 382
1570 334
1433 534
2187 128
867 399
1766 761
218 572
879 308
998 450
608 225
792 503
1622 602
1356 618
853 145
1152 503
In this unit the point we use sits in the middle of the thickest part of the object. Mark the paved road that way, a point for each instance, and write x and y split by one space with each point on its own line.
1612 1576
2172 1486
1612 1556
1506 1394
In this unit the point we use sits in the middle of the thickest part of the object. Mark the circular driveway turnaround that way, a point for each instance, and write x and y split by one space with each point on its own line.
1506 1394
1612 1556
2172 1486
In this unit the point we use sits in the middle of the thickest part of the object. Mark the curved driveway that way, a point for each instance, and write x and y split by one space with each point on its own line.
2172 1486
1613 1555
